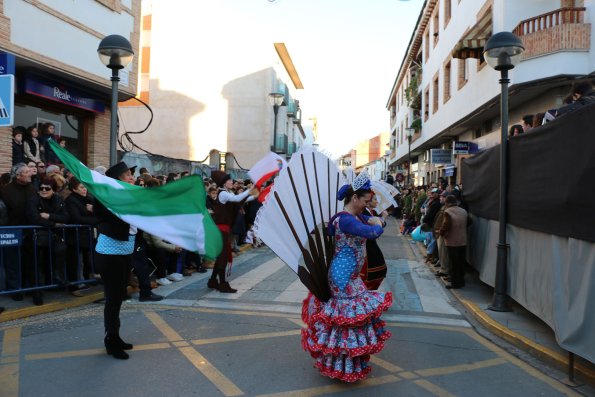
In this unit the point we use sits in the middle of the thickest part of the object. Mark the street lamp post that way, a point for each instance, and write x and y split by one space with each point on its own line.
116 53
503 52
276 99
410 132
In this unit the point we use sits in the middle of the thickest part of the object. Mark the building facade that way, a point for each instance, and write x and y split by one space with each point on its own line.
446 93
208 87
50 47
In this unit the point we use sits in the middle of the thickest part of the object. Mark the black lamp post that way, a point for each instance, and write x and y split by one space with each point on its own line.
410 132
116 53
503 52
276 99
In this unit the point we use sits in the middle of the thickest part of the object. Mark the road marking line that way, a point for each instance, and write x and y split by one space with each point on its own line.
170 334
385 364
219 380
213 374
336 388
296 292
432 388
9 368
425 326
452 369
432 296
246 337
248 280
522 365
91 352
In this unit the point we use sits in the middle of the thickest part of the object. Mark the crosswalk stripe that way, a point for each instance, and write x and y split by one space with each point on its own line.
295 293
248 280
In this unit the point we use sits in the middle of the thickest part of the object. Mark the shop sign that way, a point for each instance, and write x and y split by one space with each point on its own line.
440 156
10 237
449 170
464 148
59 92
6 63
6 100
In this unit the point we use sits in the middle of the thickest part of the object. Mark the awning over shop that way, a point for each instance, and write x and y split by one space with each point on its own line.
472 43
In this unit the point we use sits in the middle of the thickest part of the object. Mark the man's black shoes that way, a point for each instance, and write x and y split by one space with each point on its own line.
150 298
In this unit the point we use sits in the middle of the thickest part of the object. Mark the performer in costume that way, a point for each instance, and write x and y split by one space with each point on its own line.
343 332
225 209
374 269
115 245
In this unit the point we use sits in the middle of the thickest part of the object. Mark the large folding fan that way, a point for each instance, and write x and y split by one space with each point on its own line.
293 220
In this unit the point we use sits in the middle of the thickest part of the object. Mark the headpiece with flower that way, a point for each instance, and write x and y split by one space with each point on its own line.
361 182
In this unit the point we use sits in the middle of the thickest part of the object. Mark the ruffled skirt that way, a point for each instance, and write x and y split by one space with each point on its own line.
342 333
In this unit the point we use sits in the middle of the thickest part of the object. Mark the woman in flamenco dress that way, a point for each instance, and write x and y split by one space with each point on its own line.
343 332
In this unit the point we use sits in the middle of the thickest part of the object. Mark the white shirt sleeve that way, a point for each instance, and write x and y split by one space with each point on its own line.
225 196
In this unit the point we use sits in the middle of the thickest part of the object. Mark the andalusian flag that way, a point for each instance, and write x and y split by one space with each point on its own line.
176 211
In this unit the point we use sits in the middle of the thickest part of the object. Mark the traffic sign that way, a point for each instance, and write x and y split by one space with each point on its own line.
6 100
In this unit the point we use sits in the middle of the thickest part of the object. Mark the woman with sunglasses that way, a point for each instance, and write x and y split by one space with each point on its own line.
47 209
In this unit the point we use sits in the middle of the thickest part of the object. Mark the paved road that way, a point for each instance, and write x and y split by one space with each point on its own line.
199 342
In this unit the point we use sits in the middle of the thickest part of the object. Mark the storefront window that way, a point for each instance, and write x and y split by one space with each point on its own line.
68 127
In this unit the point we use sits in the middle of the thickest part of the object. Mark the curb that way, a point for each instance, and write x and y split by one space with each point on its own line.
543 353
17 314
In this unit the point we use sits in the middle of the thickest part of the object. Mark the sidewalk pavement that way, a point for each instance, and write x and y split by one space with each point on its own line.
518 327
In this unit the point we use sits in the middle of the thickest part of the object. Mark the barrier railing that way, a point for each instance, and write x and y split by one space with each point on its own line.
34 258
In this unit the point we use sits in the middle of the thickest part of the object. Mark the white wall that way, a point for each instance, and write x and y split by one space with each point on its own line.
45 34
210 76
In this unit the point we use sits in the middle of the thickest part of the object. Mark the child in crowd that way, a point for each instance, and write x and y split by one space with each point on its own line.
18 151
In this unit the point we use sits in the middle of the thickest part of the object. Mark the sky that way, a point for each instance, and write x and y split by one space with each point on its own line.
347 54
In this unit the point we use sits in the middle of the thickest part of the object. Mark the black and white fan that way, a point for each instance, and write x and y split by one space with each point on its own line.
293 220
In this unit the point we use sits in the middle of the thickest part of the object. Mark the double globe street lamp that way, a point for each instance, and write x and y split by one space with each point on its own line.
503 52
116 53
410 132
276 99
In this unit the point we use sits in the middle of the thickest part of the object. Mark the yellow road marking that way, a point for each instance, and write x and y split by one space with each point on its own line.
213 374
451 369
524 366
335 388
90 352
432 388
385 364
9 368
407 375
167 331
220 381
426 326
245 337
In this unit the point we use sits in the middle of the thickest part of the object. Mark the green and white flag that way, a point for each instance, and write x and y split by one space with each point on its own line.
175 212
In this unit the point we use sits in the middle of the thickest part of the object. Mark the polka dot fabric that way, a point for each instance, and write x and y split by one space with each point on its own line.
342 333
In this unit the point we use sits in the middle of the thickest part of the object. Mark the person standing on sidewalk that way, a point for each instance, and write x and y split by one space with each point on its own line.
454 230
115 245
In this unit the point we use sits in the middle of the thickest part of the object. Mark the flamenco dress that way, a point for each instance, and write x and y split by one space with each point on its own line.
343 332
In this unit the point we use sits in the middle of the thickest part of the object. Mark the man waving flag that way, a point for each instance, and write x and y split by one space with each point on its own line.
176 212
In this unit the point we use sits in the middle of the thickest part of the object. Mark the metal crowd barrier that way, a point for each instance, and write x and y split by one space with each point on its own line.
27 264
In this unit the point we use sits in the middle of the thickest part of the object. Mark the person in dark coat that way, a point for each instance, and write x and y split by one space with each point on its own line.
115 245
47 209
15 196
18 150
374 270
225 209
80 206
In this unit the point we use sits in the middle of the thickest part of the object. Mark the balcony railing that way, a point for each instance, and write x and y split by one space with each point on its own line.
558 17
